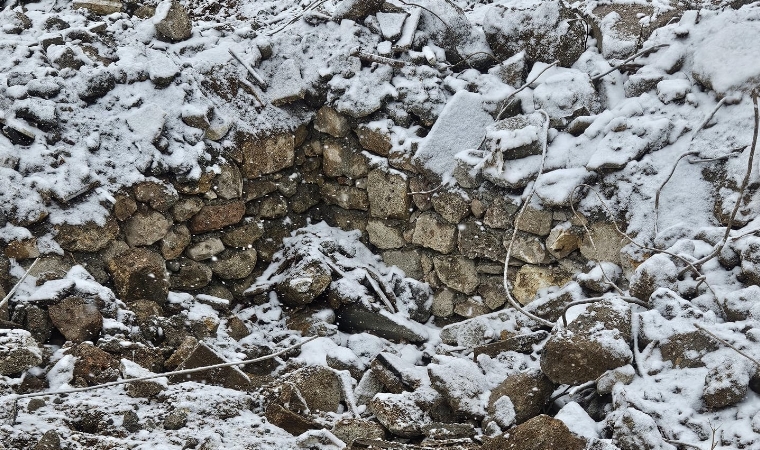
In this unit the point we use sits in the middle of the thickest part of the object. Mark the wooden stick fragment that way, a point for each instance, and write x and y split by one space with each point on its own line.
256 77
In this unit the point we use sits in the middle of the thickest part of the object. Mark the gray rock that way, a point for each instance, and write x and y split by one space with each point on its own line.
234 265
176 419
656 272
174 242
142 389
492 290
272 206
97 85
77 319
742 304
635 430
403 414
230 377
515 137
726 383
528 248
130 421
545 31
461 383
597 341
244 235
205 249
528 392
304 282
535 221
331 122
431 231
355 318
500 213
349 430
145 228
457 272
18 351
138 274
478 241
172 22
99 7
387 193
384 235
318 386
607 243
622 375
88 237
685 350
266 154
444 301
186 208
49 441
373 139
191 275
347 197
356 10
452 206
407 260
229 183
343 158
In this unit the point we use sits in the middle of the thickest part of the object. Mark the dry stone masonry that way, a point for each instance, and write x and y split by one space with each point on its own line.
455 205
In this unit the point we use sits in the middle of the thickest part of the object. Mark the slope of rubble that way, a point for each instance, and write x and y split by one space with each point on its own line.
510 224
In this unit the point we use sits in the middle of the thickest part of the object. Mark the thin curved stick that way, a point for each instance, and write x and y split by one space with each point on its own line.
519 215
701 126
522 88
718 248
646 51
16 397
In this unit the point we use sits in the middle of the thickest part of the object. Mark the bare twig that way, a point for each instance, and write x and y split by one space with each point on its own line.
16 397
431 191
718 248
726 343
646 51
519 215
256 77
10 294
522 88
701 126
370 57
252 88
684 444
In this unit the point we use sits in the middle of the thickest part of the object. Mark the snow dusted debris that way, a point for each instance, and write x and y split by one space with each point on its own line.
565 94
545 30
18 351
460 126
461 383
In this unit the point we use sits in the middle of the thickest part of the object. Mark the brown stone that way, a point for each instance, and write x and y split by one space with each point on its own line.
216 217
22 249
266 154
159 196
539 433
387 193
139 274
373 139
230 377
528 392
89 237
77 319
93 365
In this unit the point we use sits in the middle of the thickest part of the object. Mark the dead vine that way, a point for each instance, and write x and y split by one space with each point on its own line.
505 281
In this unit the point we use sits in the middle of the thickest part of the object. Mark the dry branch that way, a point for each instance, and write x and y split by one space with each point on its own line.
505 281
17 397
522 88
10 294
646 51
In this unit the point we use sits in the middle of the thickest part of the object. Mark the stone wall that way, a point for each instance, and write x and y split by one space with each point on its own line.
216 234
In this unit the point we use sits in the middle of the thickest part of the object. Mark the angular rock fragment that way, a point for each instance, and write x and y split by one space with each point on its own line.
18 351
77 319
172 21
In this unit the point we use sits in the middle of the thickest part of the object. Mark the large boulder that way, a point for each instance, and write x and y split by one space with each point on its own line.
546 31
172 21
597 341
77 319
139 274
